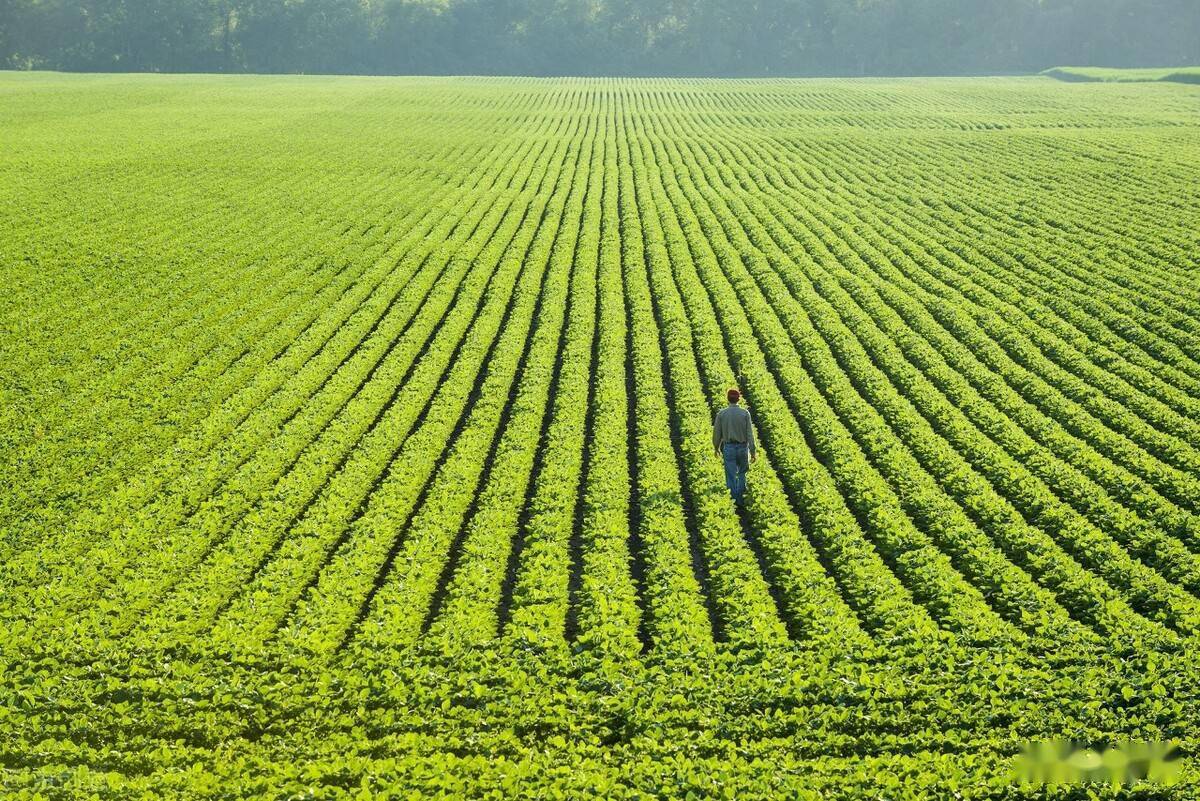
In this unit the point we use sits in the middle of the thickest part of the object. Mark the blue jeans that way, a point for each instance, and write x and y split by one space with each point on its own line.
737 462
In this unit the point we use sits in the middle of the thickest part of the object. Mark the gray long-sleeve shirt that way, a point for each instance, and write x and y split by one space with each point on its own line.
733 424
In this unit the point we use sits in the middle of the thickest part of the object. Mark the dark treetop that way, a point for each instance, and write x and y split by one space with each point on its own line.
597 37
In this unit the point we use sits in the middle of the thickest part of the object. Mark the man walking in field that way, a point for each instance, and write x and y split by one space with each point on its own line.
733 438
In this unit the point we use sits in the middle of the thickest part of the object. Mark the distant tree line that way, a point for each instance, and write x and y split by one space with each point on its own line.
590 37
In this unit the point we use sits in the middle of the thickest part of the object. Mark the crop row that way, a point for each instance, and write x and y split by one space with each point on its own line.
481 415
801 294
353 353
909 317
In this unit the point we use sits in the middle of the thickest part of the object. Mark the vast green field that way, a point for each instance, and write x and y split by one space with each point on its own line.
355 434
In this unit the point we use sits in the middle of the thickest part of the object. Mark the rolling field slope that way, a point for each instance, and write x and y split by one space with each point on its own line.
355 434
